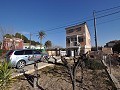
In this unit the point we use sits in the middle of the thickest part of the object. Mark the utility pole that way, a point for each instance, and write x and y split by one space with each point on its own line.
30 41
95 31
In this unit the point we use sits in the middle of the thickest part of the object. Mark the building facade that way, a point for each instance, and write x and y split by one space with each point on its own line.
12 43
78 39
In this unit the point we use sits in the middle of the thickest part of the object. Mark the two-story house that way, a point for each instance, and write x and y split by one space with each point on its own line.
12 43
78 39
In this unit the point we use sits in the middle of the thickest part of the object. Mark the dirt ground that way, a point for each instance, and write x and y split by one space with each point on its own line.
57 78
116 72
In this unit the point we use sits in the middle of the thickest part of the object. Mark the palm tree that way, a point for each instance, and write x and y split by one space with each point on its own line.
48 44
41 35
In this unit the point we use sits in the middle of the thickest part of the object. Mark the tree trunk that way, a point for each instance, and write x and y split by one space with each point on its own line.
40 43
35 83
73 77
73 84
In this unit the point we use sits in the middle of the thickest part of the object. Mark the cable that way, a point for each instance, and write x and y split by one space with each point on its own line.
91 25
102 13
90 19
107 9
108 21
107 14
82 21
68 25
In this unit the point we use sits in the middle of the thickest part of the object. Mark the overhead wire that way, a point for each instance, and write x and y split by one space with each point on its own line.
64 26
107 9
108 14
98 16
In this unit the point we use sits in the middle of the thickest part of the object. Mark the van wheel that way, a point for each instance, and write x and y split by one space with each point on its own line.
20 64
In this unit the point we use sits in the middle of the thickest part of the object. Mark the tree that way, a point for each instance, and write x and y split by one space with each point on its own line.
72 69
18 35
116 48
41 35
48 44
4 31
25 39
8 36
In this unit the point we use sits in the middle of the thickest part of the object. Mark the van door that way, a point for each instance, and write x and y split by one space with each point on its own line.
37 55
29 57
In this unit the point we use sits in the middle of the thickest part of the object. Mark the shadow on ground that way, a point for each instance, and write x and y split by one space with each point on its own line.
30 79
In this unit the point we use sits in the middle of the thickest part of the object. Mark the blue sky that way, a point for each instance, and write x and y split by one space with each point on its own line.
25 16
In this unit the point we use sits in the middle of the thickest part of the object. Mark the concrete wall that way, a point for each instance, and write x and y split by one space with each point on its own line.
107 50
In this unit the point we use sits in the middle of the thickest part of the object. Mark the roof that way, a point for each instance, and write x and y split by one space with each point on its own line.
76 25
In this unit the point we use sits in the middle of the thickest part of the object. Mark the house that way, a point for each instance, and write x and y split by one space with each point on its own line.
12 43
27 45
112 43
78 39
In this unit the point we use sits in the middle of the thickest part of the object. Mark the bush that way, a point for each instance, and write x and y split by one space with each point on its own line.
5 76
94 64
2 52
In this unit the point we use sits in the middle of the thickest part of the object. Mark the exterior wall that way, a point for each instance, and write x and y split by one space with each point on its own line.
27 45
75 32
54 52
51 53
107 50
38 47
14 43
88 40
78 32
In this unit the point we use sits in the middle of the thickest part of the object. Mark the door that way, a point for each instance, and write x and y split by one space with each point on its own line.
37 55
29 57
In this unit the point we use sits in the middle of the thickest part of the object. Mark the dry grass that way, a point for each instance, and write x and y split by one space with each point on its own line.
56 78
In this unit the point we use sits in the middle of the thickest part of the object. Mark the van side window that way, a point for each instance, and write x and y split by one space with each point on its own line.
28 52
36 52
19 52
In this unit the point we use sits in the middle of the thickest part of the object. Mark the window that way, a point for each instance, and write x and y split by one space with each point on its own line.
70 31
28 52
68 40
75 44
80 39
78 29
36 52
73 38
19 52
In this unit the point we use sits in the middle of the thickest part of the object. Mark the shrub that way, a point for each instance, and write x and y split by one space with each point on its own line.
5 75
1 52
94 64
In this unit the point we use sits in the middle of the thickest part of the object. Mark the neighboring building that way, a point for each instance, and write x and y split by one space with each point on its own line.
27 45
78 39
112 43
12 43
107 50
38 47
